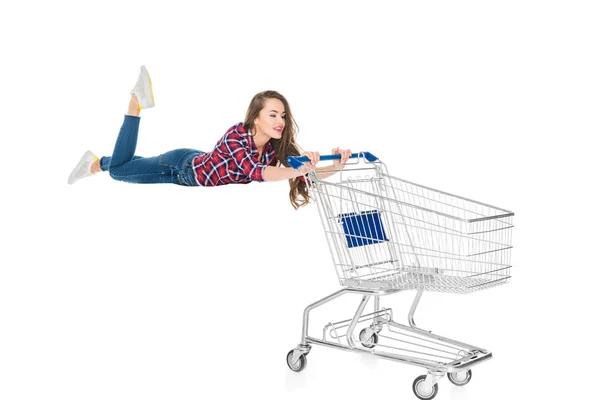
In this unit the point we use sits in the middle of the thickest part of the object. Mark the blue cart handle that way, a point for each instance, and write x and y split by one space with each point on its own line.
296 162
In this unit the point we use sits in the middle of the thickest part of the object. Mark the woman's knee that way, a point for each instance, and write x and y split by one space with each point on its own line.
116 173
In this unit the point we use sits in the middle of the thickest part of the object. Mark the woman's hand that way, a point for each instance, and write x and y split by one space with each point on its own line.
345 156
313 156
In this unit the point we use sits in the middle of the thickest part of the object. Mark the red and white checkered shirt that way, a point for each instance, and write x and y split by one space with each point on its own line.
233 160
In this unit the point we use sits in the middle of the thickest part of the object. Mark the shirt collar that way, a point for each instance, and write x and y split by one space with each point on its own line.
253 149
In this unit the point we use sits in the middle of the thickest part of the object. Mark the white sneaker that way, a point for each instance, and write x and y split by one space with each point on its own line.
82 169
143 89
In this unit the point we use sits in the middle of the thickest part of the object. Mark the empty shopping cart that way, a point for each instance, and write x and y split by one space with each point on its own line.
387 235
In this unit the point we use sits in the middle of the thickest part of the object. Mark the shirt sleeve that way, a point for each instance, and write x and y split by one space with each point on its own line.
270 156
251 167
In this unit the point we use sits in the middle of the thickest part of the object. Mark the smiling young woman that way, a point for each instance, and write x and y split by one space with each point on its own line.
253 150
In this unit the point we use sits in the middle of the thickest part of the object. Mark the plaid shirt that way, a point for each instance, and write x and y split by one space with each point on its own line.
233 160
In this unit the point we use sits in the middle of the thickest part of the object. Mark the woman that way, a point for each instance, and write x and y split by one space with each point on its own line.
250 151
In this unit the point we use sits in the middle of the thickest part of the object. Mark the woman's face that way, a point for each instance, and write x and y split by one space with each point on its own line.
271 119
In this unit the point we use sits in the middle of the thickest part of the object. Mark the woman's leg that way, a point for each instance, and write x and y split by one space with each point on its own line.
125 166
166 168
120 164
103 164
127 140
127 147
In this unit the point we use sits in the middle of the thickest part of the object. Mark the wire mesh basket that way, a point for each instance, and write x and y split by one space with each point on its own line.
388 233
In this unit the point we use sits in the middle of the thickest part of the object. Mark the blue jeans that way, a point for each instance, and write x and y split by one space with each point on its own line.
174 166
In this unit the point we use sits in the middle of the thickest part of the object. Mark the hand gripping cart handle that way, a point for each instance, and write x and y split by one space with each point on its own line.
387 235
296 162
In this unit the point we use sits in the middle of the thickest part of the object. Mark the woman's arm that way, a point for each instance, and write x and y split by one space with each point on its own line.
271 173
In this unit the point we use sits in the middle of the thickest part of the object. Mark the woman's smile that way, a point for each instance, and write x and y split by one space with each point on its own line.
270 122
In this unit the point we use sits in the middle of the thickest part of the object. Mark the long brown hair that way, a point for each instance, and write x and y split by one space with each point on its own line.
284 147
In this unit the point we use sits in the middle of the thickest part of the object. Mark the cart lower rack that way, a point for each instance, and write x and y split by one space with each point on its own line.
388 235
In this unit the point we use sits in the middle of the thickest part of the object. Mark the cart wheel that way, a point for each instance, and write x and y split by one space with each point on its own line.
422 392
460 378
367 342
299 365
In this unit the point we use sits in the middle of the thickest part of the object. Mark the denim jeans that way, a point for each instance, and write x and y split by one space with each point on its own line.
174 166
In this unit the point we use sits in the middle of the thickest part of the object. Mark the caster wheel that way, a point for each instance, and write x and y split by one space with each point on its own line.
460 378
367 342
421 391
298 365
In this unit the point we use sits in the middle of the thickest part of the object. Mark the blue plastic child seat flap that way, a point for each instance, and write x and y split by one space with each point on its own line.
363 228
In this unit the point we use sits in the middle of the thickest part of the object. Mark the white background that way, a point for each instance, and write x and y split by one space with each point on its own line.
117 291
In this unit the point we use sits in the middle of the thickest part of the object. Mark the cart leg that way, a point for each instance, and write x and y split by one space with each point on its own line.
304 348
307 311
376 324
359 311
411 313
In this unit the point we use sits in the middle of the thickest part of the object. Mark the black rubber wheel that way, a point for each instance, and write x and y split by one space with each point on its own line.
299 365
370 342
460 378
421 392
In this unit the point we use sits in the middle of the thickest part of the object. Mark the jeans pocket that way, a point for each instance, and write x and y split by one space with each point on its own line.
174 158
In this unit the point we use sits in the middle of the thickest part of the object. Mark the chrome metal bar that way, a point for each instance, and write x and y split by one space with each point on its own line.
436 337
489 282
469 364
491 272
383 315
334 296
315 305
388 356
491 230
370 265
457 234
448 194
413 308
359 311
490 217
419 362
408 204
427 339
417 352
491 251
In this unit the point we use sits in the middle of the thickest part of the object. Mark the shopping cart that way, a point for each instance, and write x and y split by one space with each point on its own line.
388 235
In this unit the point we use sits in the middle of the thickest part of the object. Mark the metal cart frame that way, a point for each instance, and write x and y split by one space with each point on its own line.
388 235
